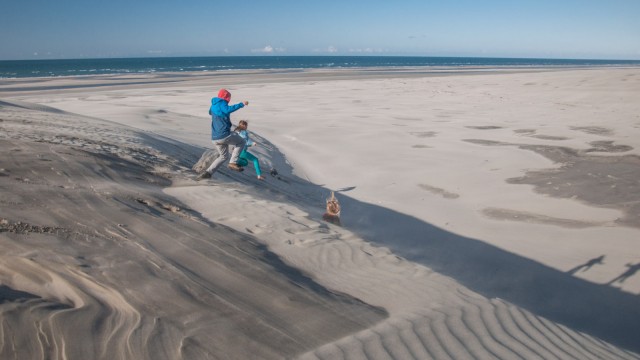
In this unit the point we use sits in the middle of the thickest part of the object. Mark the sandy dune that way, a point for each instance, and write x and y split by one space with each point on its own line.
98 263
490 215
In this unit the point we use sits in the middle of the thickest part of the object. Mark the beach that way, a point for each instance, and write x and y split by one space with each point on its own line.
486 213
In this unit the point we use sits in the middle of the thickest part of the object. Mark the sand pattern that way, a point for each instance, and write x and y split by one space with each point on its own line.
466 231
100 254
479 330
431 316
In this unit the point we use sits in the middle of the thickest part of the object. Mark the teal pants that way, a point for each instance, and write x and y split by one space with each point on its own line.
244 159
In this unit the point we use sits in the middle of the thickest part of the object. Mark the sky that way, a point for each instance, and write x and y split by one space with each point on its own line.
573 29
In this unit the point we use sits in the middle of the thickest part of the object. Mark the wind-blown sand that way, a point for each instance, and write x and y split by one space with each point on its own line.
486 214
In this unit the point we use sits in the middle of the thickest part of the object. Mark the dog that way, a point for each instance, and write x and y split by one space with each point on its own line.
332 215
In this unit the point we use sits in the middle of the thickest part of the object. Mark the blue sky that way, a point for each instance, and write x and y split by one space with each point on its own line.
597 29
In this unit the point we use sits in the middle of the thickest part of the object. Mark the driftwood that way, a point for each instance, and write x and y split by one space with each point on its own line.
332 215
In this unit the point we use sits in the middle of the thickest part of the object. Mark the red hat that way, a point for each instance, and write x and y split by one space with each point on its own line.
224 95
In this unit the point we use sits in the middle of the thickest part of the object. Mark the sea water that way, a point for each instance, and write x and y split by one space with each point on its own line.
78 67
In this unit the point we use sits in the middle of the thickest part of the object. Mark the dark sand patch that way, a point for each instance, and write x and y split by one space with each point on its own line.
532 133
514 215
484 127
405 118
607 181
525 131
487 142
608 146
438 191
423 134
595 130
418 146
598 180
549 137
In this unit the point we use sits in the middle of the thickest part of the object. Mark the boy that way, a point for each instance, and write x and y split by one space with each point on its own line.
221 134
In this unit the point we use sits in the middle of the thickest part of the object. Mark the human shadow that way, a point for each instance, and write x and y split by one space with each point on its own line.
632 269
586 266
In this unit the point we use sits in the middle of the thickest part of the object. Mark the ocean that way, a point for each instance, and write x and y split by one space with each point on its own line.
79 67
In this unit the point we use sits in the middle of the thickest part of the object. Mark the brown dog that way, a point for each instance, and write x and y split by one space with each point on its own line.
332 215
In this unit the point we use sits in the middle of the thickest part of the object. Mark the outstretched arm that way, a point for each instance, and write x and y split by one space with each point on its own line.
229 109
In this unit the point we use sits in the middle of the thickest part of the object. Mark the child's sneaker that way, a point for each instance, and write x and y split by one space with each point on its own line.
260 177
203 175
235 167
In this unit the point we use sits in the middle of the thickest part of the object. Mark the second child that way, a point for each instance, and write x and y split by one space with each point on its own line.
245 155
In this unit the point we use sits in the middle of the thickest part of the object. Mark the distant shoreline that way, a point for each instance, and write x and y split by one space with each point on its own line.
17 69
14 86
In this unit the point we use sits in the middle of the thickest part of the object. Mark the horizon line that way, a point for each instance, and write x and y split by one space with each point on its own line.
323 55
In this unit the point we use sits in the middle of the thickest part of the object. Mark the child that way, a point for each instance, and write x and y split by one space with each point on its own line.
221 134
246 156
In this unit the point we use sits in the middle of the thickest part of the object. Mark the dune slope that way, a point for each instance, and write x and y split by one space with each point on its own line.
98 263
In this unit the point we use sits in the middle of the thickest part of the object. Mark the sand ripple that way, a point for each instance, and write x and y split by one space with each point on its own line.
65 307
479 330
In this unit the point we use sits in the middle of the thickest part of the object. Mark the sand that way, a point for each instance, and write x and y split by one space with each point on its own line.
485 214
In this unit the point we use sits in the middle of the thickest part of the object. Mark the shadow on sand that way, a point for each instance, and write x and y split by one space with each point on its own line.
587 266
632 269
8 294
599 310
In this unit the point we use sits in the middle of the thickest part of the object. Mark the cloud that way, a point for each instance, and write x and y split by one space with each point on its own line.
329 49
268 50
367 50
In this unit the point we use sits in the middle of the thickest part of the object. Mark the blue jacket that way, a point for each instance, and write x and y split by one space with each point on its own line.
221 117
